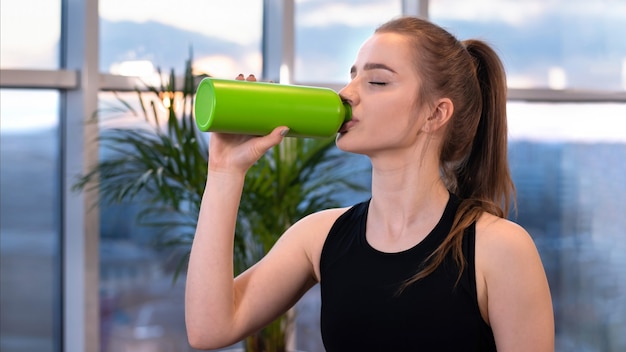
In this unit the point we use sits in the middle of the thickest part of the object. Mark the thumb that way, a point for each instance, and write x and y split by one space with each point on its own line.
263 144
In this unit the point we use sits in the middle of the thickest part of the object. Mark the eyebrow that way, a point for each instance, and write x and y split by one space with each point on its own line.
373 66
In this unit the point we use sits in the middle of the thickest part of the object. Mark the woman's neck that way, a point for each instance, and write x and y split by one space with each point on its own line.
407 198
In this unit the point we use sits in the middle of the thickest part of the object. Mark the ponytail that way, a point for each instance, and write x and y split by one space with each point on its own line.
482 179
484 176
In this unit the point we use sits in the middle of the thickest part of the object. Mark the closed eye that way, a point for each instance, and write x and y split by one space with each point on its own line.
378 83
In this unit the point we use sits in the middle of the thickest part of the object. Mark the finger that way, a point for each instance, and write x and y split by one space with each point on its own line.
263 144
282 131
251 78
240 77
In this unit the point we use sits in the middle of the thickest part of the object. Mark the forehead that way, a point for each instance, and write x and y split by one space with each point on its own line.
391 49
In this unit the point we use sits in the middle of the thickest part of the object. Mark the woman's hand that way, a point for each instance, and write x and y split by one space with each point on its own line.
236 153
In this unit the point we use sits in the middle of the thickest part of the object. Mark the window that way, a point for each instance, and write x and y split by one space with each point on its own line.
30 287
225 39
141 308
566 158
567 162
29 33
328 35
546 44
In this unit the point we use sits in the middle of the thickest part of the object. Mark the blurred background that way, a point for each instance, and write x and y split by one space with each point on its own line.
76 276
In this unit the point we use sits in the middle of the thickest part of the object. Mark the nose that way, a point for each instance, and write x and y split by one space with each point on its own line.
348 94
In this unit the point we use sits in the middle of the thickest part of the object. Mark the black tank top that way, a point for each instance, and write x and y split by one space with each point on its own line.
363 311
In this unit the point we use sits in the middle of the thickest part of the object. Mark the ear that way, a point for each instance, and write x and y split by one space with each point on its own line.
440 116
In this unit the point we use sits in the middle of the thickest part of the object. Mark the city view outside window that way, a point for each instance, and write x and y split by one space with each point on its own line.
141 306
567 164
328 35
225 39
546 44
30 271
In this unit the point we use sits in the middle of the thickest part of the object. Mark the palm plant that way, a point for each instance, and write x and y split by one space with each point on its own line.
163 164
159 161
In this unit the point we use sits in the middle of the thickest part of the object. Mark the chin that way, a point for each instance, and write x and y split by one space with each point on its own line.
345 143
340 141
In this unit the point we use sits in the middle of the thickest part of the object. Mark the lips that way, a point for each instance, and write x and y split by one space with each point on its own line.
347 125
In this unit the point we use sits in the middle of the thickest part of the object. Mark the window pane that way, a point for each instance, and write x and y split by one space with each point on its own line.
141 308
568 164
547 44
329 33
225 36
29 33
29 221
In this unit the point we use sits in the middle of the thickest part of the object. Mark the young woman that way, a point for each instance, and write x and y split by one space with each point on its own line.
430 262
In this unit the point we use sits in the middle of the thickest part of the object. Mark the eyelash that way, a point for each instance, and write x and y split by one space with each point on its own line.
378 83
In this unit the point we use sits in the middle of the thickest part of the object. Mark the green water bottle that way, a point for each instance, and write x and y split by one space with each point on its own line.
256 108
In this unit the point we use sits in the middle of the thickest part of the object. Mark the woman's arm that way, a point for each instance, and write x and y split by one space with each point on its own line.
515 287
221 310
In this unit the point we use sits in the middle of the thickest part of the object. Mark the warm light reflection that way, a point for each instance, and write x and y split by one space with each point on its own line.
171 100
166 98
123 110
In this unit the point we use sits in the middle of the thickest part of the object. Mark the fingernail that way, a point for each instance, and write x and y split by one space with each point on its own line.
284 132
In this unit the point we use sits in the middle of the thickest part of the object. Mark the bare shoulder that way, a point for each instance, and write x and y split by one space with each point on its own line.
501 245
323 217
317 224
314 229
512 287
495 234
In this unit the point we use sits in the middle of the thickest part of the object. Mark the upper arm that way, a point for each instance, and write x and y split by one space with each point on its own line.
274 284
516 288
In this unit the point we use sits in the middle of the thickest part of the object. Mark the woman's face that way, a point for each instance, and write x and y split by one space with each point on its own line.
382 93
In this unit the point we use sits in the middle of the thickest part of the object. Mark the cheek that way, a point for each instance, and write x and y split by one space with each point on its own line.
404 115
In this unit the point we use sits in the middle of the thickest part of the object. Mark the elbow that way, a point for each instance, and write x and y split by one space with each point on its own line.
196 341
199 346
200 343
203 340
